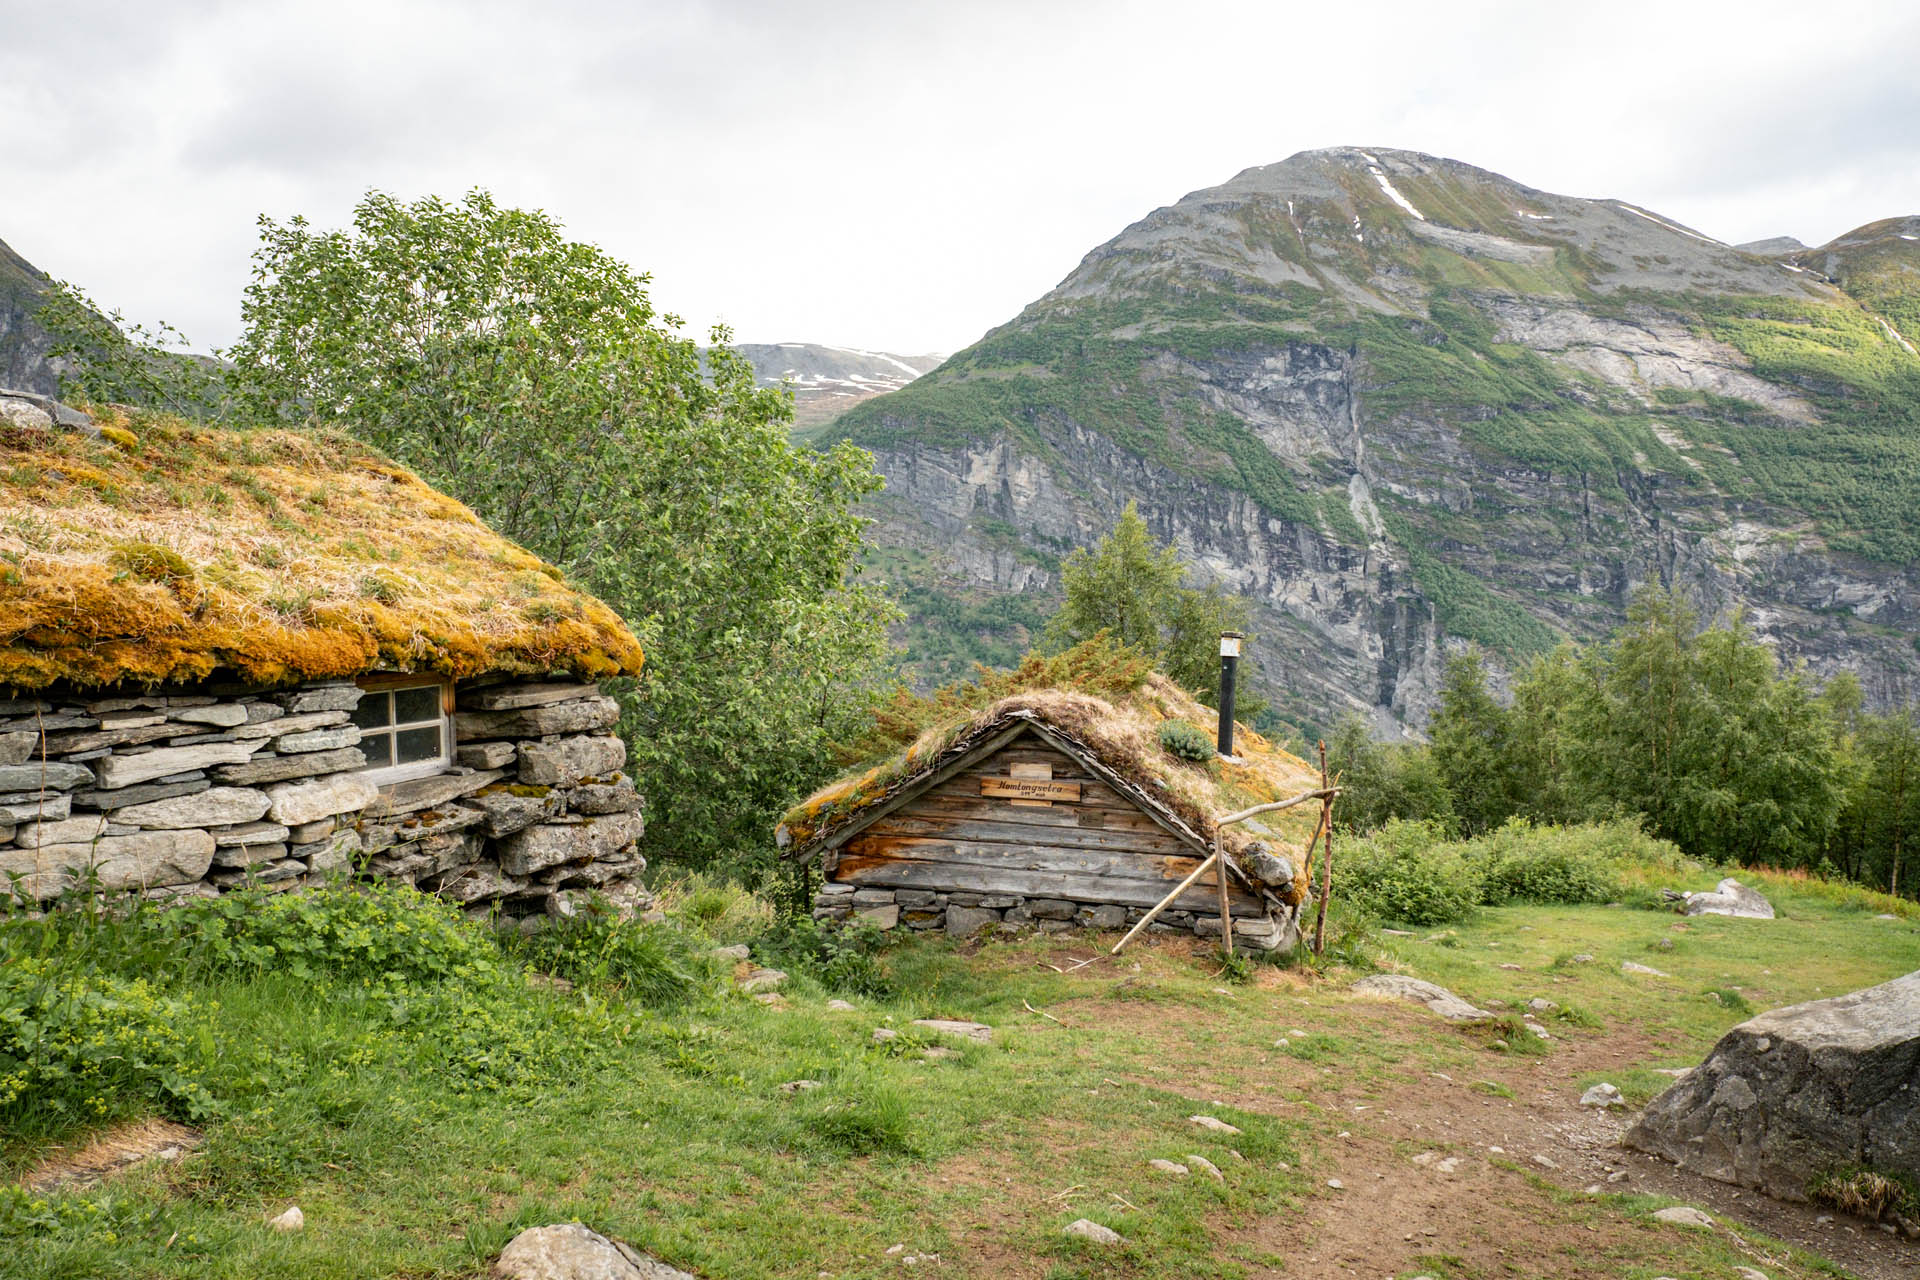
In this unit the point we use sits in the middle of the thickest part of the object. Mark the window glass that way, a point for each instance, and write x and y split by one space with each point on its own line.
411 706
375 709
378 748
416 745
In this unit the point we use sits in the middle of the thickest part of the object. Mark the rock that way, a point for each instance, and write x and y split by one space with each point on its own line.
17 748
886 917
1212 1124
1107 916
327 697
221 715
1439 999
1602 1095
617 796
564 762
81 830
215 807
509 809
288 726
1750 1273
1538 1005
1205 1166
550 844
865 897
1270 869
115 772
486 755
840 1006
427 793
518 697
1546 1162
292 803
1168 1166
1051 909
762 980
308 764
291 1220
1582 958
1683 1216
738 951
18 809
1730 898
570 1251
138 861
1628 966
231 856
478 882
1832 1085
255 833
883 1034
51 775
1334 1184
584 715
800 1086
964 922
333 739
979 1032
1092 1232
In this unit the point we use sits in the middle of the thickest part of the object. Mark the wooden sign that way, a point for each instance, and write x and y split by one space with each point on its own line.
1030 790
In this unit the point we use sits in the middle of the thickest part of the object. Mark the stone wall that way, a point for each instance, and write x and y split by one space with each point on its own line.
192 792
964 914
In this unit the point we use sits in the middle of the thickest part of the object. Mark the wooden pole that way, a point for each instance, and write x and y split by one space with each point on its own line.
1288 803
1167 901
1226 912
1326 876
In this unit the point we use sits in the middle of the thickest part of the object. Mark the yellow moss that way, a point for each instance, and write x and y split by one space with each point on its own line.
120 436
117 569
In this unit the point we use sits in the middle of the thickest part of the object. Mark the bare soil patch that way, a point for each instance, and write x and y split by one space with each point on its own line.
108 1153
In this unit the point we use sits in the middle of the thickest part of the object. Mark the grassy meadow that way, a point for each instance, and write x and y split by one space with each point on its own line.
422 1091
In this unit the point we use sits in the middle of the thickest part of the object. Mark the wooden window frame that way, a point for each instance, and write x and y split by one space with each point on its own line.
385 687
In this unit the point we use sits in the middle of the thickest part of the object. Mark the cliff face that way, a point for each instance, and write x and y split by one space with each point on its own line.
1401 404
23 344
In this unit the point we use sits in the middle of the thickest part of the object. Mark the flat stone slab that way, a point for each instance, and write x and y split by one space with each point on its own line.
979 1032
1398 986
124 771
1798 1090
214 807
569 1251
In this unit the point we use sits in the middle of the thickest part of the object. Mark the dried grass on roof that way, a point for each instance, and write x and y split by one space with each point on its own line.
266 556
1120 729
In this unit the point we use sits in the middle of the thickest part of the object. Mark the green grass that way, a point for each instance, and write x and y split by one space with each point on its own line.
419 1127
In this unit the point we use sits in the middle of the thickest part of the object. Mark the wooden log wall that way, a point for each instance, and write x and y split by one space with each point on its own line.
1099 849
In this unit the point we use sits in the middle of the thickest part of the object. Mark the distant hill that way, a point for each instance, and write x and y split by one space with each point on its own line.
827 381
1402 404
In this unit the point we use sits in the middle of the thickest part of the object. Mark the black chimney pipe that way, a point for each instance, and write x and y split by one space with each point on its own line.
1229 663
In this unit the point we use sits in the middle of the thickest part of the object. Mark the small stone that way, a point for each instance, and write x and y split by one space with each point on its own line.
1510 966
840 1006
333 739
1684 1216
1212 1123
1618 1175
883 1034
1205 1166
800 1086
485 755
1628 966
1754 1273
1545 1162
1538 1005
224 715
979 1032
1282 1043
327 697
1336 1184
1092 1232
291 1220
1582 958
738 951
1602 1095
762 980
772 999
570 1251
1168 1166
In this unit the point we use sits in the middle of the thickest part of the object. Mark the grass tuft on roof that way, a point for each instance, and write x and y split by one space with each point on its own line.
167 552
1104 696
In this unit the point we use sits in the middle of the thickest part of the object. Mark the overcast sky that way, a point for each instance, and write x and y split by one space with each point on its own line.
893 174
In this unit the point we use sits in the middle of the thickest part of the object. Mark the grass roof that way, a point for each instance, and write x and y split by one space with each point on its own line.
167 552
1108 701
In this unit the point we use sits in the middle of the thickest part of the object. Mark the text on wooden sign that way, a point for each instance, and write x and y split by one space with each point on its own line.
1029 789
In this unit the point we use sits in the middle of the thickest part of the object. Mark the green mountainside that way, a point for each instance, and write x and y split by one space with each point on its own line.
1401 403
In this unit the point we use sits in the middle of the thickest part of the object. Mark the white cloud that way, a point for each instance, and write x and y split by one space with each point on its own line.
897 176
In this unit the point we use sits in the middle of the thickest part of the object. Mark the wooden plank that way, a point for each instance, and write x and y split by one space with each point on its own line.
1031 770
1030 789
1091 793
1015 832
934 779
933 807
961 877
1086 865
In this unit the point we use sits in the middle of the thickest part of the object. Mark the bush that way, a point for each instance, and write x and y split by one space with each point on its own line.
842 958
1409 873
652 964
1570 866
78 1047
1178 738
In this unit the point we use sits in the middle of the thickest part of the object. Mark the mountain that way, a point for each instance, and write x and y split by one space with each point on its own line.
827 381
23 344
1402 404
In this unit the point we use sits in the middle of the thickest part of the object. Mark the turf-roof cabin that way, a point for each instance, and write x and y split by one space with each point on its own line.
268 657
1052 808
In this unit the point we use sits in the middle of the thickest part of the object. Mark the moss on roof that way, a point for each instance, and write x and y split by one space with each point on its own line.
1119 727
166 552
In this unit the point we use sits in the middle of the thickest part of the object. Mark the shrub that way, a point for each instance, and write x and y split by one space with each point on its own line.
1570 865
652 964
1407 872
1178 738
844 958
80 1047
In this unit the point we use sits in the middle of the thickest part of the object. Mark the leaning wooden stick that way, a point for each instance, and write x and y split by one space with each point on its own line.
1326 875
1166 902
1302 798
1226 912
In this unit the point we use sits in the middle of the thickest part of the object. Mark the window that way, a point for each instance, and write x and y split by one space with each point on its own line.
403 728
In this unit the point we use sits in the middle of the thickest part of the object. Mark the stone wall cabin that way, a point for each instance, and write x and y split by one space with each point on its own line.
269 658
1051 809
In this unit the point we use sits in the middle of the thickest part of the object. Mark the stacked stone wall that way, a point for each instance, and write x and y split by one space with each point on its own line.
193 792
965 914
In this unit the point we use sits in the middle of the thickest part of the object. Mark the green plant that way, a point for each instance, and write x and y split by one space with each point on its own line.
842 958
1410 873
1865 1192
651 964
1186 741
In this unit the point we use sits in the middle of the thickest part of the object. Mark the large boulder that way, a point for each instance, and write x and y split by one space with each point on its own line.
1800 1090
570 1251
1729 898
